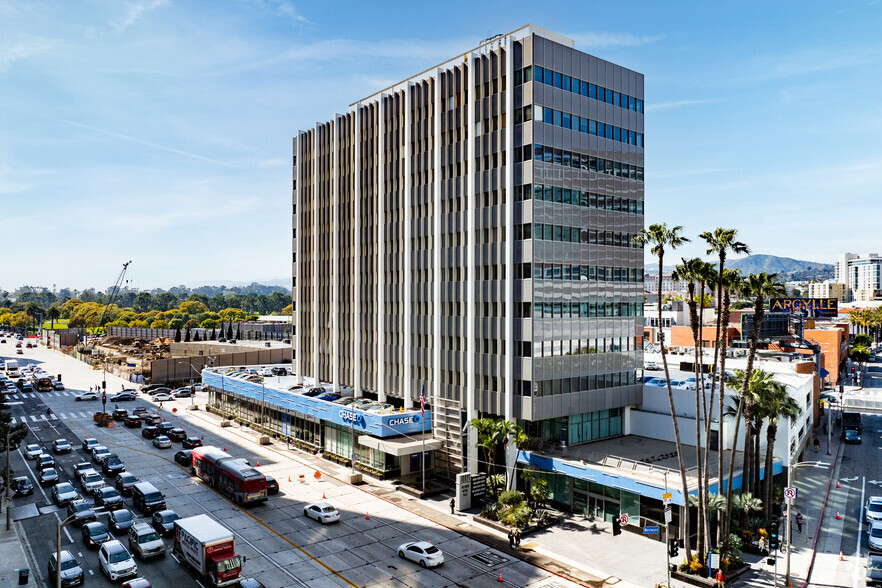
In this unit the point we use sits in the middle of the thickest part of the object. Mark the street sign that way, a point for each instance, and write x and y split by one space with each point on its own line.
790 493
666 498
668 515
623 519
650 530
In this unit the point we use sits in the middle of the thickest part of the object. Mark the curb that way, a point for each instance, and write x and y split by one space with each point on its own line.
808 574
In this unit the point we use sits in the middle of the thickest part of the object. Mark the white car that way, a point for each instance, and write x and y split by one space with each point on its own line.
115 561
87 396
91 481
266 371
874 536
873 509
33 451
162 397
98 451
421 552
322 512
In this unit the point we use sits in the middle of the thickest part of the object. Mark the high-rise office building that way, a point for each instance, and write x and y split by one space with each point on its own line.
467 234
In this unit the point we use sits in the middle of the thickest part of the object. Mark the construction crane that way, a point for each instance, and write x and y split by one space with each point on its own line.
113 293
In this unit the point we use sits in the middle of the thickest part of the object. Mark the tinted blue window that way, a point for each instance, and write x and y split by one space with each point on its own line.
583 125
558 194
548 116
601 129
567 121
584 91
565 160
609 131
632 103
547 196
567 81
537 231
610 97
592 127
592 91
617 133
567 192
557 118
574 160
539 73
547 154
557 80
632 137
617 98
640 106
640 139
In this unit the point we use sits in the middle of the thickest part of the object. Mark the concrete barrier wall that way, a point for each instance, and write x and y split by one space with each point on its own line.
179 369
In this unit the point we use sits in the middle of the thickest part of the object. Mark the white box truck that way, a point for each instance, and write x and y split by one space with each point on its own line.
12 368
209 548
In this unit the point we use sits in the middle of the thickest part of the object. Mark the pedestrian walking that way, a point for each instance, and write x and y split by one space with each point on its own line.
799 521
517 534
817 445
762 545
452 505
720 579
511 538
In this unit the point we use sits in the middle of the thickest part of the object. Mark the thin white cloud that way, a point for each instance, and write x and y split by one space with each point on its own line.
676 104
148 143
282 7
22 48
809 60
134 11
596 40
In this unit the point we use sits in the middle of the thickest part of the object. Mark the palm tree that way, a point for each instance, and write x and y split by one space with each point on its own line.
746 503
53 313
777 404
757 286
659 236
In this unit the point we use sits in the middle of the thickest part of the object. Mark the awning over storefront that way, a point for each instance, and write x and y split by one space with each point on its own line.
402 445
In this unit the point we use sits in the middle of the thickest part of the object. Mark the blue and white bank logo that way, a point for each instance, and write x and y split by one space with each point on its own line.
352 417
404 420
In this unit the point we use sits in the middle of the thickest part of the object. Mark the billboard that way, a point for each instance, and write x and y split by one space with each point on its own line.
813 307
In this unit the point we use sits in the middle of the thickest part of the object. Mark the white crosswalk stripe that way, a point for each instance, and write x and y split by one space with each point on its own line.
12 421
62 416
34 418
67 394
85 415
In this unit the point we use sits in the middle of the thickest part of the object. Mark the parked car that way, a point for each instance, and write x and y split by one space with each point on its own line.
874 570
183 457
125 482
279 371
164 522
122 397
150 432
852 437
71 572
163 397
108 497
176 434
145 541
874 537
22 486
157 390
191 442
322 512
873 509
87 396
115 561
184 392
329 396
33 451
90 444
421 552
61 446
272 486
64 493
94 534
121 520
82 512
162 442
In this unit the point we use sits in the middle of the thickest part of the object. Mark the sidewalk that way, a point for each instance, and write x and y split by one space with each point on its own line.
13 558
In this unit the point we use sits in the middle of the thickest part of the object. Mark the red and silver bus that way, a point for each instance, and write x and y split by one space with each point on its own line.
43 383
233 477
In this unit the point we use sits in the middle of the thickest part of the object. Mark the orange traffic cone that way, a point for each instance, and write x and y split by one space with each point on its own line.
289 478
225 447
837 515
837 484
840 557
367 516
258 463
324 497
500 575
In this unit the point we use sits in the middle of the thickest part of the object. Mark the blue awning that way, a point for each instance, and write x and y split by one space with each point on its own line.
824 373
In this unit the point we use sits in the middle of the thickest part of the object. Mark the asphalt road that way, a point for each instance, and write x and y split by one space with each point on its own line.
283 548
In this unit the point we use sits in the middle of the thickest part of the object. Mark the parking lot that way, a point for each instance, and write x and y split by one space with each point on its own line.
282 546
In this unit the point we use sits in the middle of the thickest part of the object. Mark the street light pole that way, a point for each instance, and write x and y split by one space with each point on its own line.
788 527
8 480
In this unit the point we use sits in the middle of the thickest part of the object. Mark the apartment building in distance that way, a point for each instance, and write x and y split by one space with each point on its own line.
861 274
466 234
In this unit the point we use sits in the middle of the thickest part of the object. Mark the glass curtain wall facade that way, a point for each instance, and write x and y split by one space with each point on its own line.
467 234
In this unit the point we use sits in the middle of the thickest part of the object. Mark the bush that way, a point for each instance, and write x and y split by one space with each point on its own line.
511 498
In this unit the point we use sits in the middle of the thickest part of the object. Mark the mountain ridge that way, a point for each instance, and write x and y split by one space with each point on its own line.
771 264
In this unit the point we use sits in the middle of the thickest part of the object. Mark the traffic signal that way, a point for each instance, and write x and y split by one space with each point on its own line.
773 539
673 548
617 526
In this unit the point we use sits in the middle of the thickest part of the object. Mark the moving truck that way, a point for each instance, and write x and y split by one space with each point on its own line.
209 548
12 368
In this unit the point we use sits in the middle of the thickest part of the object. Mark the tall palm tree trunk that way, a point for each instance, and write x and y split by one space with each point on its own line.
771 433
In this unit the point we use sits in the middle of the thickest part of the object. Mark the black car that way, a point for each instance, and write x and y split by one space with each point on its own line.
109 498
152 419
120 414
94 534
82 511
191 443
183 457
159 390
176 434
165 427
22 486
122 397
164 521
150 432
133 422
125 482
71 572
48 477
152 387
272 486
113 465
279 371
120 521
45 461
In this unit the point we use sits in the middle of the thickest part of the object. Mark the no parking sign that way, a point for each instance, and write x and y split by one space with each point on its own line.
790 493
623 519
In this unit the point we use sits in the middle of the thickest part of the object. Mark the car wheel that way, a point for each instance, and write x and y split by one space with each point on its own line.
78 399
401 554
305 513
422 563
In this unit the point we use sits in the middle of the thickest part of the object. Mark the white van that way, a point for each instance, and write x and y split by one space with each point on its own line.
12 368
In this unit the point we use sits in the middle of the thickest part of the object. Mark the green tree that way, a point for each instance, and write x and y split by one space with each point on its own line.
777 404
178 334
863 340
175 323
53 313
859 355
208 324
230 331
164 301
159 324
143 302
193 307
660 237
187 335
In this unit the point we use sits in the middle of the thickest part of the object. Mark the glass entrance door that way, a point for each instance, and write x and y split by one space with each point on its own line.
580 502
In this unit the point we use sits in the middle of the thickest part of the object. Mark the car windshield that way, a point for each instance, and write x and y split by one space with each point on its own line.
117 556
64 487
152 496
170 517
122 516
33 447
68 564
93 478
328 509
109 493
124 478
228 564
875 507
81 507
146 537
113 460
97 530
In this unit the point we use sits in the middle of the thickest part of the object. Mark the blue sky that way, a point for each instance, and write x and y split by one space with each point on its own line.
160 132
